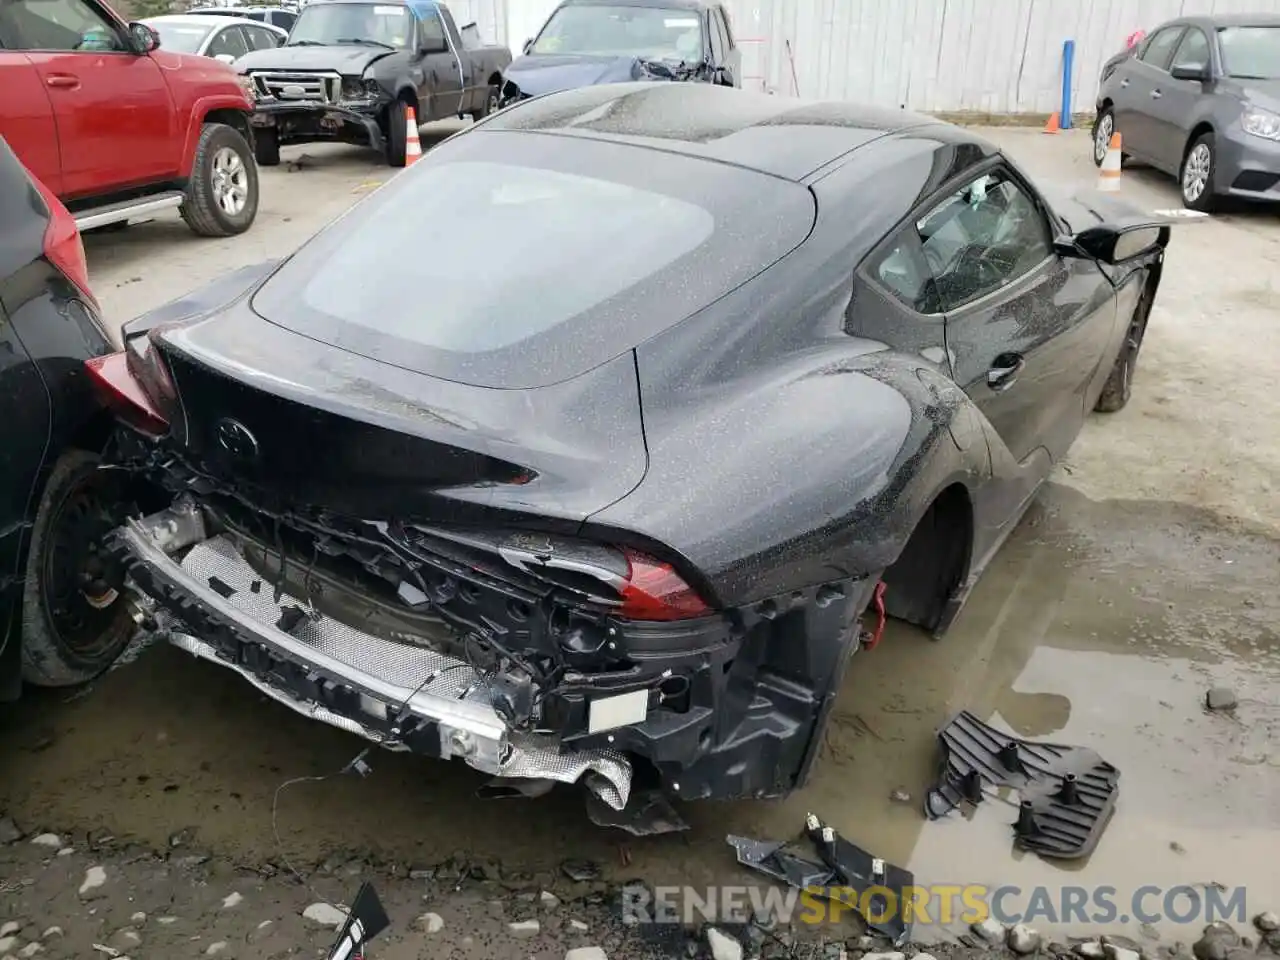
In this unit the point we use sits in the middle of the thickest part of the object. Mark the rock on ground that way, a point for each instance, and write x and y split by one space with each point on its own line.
1022 939
586 953
723 946
325 914
990 930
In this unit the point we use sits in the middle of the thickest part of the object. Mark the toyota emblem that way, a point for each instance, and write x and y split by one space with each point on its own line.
234 437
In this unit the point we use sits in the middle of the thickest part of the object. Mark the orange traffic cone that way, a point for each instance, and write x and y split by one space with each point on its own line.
1054 124
1109 173
412 145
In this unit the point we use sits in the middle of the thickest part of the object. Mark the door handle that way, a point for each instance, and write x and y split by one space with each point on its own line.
62 80
1156 94
1004 371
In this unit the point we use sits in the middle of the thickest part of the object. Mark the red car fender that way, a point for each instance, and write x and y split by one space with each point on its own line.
200 110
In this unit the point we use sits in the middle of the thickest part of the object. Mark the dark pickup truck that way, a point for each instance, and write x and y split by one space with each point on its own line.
351 70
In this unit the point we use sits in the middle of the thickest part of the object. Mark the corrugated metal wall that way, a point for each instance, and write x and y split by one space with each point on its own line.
991 56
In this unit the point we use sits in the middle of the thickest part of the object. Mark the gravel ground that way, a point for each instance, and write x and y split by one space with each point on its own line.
1144 577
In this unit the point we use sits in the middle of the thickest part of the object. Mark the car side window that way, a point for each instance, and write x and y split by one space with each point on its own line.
982 238
1159 49
902 270
716 38
283 19
261 39
431 28
1193 51
229 41
56 25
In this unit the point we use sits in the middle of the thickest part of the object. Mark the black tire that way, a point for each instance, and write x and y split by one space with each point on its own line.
1119 386
1206 201
266 147
491 99
1104 124
201 209
72 631
397 133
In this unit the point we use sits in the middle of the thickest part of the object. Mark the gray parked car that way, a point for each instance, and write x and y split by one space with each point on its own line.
1200 98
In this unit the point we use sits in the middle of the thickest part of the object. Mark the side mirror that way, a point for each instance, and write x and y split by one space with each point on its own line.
1115 243
527 45
1190 71
143 38
724 76
434 45
225 58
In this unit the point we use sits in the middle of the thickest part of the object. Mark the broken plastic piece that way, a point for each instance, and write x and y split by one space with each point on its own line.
842 874
1067 794
648 813
367 919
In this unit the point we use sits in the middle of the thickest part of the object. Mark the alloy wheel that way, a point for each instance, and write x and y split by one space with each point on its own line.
1195 172
230 181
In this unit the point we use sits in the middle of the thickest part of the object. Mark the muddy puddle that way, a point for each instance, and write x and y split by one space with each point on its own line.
1099 624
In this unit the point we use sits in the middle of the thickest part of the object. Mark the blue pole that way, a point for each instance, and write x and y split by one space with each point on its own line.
1068 57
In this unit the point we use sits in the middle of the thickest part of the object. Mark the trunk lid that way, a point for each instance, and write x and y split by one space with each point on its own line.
295 422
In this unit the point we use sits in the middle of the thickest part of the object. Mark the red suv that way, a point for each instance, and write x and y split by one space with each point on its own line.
119 129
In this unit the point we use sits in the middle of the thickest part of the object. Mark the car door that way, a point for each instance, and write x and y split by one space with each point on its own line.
111 106
1148 72
1026 329
29 128
440 67
1173 104
228 44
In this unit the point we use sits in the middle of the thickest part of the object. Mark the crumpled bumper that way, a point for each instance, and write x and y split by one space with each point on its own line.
309 121
214 605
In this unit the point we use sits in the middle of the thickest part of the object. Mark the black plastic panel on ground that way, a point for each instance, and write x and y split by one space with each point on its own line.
1067 794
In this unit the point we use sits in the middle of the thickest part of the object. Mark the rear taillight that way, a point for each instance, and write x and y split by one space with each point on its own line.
123 394
62 246
654 591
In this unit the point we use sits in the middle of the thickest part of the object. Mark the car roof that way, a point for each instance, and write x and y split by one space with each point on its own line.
1215 21
191 19
669 4
781 136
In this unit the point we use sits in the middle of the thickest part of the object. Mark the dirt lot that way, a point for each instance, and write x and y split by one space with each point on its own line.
1146 574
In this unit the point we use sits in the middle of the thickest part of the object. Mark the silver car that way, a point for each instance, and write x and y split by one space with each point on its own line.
1199 98
223 38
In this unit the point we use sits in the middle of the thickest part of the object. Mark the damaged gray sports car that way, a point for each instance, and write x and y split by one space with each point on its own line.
582 447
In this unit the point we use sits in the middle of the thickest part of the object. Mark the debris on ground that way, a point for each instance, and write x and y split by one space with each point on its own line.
842 872
1220 699
648 813
722 945
1067 794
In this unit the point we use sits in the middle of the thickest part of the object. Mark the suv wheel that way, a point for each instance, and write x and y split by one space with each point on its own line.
222 194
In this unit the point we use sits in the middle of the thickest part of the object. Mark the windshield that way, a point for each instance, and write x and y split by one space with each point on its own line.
653 33
333 23
179 37
1251 53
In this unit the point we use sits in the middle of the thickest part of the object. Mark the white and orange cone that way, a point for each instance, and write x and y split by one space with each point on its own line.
412 145
1109 173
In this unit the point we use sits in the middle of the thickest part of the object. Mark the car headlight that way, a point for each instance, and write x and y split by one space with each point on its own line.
1261 123
248 86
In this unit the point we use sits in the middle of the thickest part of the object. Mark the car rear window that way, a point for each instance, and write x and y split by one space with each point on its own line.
511 260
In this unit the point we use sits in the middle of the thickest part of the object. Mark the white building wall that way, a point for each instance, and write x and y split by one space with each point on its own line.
990 56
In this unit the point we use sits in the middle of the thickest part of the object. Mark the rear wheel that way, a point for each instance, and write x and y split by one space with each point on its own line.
222 194
74 621
1119 386
491 99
